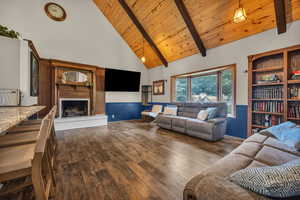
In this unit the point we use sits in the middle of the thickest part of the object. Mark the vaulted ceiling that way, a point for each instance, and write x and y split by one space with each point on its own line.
212 19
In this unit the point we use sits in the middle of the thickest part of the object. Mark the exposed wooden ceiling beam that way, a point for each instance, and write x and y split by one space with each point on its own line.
143 32
280 16
189 23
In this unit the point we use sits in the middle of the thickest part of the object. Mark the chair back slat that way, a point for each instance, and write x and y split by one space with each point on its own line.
45 130
43 136
42 170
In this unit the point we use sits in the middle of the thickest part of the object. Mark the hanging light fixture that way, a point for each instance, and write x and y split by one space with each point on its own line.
239 14
143 58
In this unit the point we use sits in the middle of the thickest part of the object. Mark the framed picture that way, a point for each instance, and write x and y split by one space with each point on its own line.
34 75
159 87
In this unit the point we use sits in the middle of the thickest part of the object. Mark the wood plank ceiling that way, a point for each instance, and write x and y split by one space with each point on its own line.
213 21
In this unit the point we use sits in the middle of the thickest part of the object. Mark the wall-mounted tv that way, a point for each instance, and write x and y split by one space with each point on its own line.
122 81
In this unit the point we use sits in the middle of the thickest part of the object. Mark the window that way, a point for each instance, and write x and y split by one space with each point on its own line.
204 88
227 87
181 90
215 85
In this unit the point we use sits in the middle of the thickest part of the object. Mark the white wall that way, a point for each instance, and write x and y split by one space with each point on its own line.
85 36
235 52
9 63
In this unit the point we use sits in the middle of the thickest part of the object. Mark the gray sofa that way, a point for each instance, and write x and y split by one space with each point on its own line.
256 151
186 121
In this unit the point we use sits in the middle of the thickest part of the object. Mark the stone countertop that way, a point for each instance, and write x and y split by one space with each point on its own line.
11 116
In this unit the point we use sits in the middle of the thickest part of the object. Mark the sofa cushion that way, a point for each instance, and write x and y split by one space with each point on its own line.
179 121
202 115
272 142
249 149
199 126
164 121
273 156
212 113
258 138
191 112
179 124
279 181
170 110
157 108
151 114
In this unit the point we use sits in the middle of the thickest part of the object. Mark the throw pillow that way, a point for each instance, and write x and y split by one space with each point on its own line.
212 112
170 110
202 115
288 133
277 182
156 108
278 130
291 137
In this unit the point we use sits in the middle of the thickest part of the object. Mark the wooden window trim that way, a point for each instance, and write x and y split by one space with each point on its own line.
205 72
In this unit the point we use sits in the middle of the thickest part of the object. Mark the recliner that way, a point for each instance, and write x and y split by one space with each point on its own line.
186 121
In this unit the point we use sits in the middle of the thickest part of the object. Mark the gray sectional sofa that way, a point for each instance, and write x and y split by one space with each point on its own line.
186 121
256 151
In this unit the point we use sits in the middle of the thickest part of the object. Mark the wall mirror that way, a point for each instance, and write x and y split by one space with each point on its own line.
75 76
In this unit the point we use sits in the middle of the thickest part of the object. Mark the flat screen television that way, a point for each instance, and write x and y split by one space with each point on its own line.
122 81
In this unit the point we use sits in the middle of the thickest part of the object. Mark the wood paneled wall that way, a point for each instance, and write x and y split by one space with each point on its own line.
100 91
47 86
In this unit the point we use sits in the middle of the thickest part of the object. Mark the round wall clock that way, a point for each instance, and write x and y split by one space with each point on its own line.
55 11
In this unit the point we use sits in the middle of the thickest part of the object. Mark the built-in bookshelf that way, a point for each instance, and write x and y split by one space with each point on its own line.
274 88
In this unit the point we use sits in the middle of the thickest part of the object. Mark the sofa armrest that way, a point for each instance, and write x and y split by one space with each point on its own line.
215 188
216 120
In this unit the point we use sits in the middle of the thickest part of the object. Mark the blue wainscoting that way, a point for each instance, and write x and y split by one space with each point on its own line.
237 126
158 103
123 111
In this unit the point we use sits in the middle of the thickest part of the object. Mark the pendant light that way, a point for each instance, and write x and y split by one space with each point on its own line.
239 14
143 58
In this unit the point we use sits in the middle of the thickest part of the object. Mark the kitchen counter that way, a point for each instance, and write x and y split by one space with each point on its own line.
11 116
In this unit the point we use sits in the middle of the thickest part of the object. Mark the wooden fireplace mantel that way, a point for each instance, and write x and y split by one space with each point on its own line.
94 90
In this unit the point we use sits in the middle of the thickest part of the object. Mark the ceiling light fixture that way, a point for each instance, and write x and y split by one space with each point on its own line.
143 58
239 14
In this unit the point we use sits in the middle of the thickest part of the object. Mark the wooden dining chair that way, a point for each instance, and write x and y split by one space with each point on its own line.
28 137
31 163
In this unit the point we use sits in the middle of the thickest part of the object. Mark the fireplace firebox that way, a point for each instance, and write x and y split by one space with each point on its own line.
74 107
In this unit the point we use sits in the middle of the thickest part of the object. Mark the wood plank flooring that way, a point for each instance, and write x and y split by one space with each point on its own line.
131 160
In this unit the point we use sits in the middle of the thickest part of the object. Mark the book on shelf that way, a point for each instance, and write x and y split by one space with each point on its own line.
266 120
296 75
269 106
294 110
268 93
294 92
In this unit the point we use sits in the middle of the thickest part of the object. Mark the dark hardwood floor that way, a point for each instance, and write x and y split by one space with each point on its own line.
131 160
